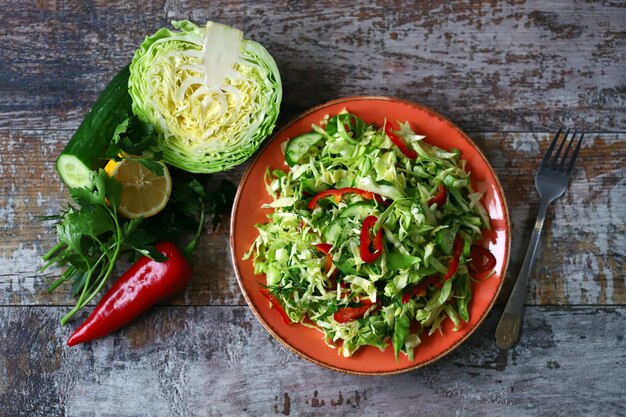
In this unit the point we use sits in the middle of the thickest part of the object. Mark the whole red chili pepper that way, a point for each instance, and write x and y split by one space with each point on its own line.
145 283
453 266
409 153
347 314
440 198
339 192
276 304
366 241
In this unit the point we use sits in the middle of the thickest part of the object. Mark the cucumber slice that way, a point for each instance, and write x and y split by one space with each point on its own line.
73 171
85 150
335 230
360 210
445 238
299 146
308 185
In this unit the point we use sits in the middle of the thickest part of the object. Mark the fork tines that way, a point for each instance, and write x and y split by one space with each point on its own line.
552 162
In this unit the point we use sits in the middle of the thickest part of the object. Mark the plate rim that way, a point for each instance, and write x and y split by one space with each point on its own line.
233 221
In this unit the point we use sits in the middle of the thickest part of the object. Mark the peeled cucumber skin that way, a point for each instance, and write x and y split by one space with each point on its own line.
93 137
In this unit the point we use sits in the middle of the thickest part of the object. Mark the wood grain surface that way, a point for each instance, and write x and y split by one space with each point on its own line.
507 72
489 65
213 361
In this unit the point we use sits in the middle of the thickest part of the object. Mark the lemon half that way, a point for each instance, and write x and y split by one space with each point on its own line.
143 192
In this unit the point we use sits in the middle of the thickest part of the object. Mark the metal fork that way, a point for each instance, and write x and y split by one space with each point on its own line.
551 181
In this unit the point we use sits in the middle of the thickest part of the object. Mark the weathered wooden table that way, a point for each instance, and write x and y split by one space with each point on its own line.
508 73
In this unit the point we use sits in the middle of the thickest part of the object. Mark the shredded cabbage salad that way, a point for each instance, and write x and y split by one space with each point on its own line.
367 244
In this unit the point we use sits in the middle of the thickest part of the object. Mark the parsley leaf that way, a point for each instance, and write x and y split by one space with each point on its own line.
137 139
140 241
151 164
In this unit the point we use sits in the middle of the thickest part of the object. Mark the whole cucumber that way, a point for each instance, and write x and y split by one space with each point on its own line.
85 150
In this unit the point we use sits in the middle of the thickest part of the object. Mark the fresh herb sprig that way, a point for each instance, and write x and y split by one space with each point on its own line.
190 203
136 139
285 291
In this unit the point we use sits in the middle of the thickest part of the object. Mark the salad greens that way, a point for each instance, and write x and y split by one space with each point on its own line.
341 174
213 95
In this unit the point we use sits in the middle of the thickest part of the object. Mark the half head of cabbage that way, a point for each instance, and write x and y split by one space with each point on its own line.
212 95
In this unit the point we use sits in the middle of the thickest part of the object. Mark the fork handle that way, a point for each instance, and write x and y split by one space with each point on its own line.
507 332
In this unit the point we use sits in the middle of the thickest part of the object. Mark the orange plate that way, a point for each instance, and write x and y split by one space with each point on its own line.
247 212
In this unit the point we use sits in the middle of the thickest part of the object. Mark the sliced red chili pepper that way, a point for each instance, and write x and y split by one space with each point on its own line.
406 297
366 242
325 249
491 235
440 198
411 292
453 266
347 314
482 259
435 281
409 153
339 192
419 289
276 304
366 301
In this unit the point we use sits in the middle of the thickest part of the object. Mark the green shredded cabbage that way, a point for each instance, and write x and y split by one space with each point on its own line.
213 95
417 236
